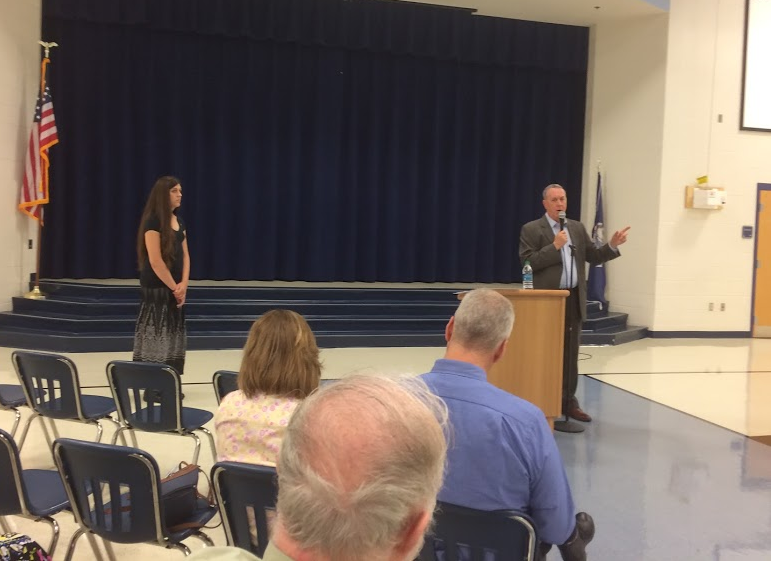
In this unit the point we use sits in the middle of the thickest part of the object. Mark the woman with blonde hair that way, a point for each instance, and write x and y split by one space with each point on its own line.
280 367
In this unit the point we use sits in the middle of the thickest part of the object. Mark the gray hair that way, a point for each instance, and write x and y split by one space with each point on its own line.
483 320
551 186
360 457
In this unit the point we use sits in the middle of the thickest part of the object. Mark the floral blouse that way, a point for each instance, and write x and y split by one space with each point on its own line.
250 430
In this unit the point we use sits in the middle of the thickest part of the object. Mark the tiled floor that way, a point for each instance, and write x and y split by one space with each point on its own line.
664 468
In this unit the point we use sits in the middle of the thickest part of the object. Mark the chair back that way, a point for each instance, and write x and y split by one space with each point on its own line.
476 535
12 491
114 490
224 382
148 395
246 494
50 384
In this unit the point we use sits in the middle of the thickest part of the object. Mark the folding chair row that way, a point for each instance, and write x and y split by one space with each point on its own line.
146 397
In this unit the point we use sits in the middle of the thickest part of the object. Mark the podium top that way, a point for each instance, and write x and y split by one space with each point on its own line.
522 293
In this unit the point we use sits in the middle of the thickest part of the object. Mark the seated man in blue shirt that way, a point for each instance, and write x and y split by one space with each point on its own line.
503 454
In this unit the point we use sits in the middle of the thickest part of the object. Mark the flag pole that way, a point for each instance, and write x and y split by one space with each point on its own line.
36 293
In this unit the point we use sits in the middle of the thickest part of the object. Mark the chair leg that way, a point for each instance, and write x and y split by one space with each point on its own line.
118 426
45 432
54 429
99 430
197 446
211 443
180 546
133 438
26 429
15 422
55 537
73 541
204 538
110 551
94 546
118 433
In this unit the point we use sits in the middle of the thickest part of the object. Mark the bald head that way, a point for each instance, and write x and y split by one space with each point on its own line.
360 459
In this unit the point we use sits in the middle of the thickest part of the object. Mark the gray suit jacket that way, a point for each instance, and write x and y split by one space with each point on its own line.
536 244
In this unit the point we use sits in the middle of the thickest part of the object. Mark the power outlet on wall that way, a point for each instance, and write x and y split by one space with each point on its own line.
711 307
29 243
722 306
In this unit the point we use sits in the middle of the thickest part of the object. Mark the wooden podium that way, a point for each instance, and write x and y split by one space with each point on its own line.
531 367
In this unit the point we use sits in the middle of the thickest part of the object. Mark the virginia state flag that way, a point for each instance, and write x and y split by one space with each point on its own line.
596 285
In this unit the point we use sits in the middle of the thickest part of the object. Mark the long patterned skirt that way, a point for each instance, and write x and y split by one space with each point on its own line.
160 334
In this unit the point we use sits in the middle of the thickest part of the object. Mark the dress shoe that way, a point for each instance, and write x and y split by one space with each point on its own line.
574 410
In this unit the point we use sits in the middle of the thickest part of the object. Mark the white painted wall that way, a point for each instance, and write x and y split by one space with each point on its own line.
625 123
19 80
702 257
677 260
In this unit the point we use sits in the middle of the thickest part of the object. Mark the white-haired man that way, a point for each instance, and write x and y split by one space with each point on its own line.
503 454
359 470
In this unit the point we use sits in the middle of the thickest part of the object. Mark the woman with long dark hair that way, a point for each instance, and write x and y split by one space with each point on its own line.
164 271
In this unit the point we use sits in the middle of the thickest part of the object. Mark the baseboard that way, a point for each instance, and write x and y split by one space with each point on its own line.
699 334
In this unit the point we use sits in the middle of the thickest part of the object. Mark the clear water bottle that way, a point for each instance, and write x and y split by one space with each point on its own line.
527 276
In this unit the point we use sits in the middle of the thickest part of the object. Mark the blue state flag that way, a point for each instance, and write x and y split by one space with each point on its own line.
596 284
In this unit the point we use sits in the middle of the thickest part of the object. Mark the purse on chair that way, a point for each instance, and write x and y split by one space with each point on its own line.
180 496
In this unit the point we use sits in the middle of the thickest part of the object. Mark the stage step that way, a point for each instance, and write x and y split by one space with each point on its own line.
603 327
88 317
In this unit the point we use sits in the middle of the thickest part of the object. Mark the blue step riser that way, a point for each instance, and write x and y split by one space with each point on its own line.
619 338
606 322
201 343
81 317
235 308
104 292
219 324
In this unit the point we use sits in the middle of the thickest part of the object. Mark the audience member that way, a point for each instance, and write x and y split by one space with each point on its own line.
503 454
280 367
360 466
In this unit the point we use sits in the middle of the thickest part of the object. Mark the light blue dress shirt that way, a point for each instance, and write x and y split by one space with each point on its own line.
569 277
502 453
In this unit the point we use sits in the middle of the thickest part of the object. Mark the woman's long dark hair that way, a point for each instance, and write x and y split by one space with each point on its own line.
158 205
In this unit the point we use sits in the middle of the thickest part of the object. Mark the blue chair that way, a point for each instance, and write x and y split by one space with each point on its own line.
11 398
149 399
32 493
115 493
52 390
224 382
466 534
246 495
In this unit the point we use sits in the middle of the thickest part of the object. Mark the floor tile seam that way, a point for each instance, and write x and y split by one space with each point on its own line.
672 408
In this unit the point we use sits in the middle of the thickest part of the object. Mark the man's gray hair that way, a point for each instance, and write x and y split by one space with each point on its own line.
360 458
483 320
551 186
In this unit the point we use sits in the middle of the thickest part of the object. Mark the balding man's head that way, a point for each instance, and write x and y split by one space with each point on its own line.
483 321
362 460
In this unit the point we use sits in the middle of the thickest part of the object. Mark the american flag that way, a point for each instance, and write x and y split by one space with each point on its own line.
34 188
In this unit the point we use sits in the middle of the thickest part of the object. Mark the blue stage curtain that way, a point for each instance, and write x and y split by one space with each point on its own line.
319 140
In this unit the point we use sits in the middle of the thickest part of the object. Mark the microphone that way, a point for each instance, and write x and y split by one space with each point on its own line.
562 219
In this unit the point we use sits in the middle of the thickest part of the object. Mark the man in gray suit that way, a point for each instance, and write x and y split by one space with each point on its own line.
558 249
